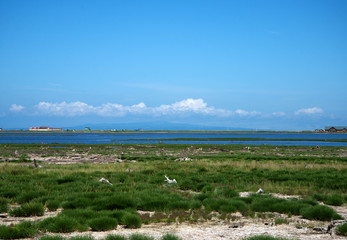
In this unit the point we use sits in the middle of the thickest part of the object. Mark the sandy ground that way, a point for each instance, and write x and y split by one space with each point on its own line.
239 228
221 230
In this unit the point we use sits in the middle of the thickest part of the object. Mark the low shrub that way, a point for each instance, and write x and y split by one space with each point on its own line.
319 212
132 220
342 229
137 236
103 224
28 209
21 230
170 236
115 237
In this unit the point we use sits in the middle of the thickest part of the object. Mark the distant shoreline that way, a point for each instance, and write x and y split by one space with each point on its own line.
166 131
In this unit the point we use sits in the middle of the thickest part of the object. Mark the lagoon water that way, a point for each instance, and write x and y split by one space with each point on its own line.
138 137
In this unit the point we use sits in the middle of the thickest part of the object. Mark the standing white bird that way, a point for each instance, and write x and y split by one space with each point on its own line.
105 180
169 181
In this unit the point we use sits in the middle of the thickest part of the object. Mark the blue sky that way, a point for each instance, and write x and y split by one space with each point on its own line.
279 65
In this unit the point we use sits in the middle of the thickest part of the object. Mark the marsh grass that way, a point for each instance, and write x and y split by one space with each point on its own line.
103 224
115 237
53 205
28 209
170 236
279 221
61 224
209 183
132 220
342 229
319 212
22 230
136 236
4 205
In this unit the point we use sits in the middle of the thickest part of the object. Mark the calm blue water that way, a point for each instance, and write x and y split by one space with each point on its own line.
107 138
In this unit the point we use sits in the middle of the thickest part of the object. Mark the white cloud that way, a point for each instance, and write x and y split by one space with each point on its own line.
187 106
16 108
309 111
278 114
243 113
64 109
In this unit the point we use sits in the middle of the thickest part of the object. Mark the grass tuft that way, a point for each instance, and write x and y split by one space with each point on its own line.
28 209
103 224
342 229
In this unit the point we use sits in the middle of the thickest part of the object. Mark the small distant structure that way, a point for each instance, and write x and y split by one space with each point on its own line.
336 129
0 129
87 129
43 129
319 130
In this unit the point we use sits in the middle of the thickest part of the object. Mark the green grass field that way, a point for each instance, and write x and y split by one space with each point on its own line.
210 182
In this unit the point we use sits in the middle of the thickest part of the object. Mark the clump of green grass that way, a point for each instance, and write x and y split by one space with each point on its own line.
103 224
319 212
226 192
342 229
52 238
132 220
81 238
28 209
53 205
137 236
9 192
279 221
115 237
26 197
60 224
21 230
3 205
264 237
334 200
170 236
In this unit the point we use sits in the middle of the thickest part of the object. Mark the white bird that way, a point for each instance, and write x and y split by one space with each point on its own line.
105 180
169 181
260 191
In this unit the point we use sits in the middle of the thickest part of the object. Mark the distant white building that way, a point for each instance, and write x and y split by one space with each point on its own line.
44 129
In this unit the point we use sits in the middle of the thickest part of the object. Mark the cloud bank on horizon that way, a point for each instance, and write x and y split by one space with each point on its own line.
186 106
